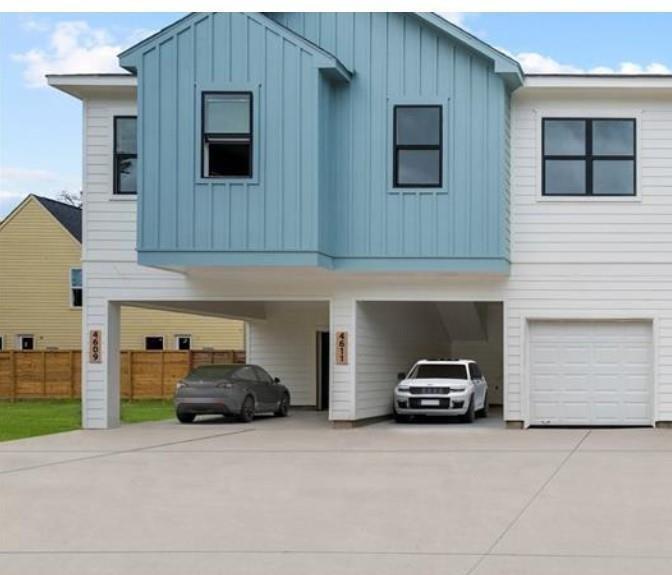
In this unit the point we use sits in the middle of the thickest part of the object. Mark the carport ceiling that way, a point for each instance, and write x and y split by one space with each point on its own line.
241 310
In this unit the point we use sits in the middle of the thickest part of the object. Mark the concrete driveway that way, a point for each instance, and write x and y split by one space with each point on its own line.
295 496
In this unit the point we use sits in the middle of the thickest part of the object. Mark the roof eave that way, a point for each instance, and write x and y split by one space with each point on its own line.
504 65
83 85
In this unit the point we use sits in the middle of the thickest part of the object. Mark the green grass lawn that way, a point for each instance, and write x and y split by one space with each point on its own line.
31 417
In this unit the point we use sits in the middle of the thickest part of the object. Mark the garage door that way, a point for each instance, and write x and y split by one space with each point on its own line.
591 373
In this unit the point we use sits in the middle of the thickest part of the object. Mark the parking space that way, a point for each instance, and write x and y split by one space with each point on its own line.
296 496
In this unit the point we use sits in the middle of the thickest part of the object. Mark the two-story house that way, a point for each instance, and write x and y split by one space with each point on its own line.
366 189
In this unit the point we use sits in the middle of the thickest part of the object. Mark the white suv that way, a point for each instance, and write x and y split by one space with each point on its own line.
442 387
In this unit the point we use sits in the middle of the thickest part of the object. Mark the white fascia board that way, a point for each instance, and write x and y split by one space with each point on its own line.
607 81
82 86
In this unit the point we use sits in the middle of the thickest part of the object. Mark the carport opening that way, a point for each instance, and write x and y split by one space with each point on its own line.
289 339
393 335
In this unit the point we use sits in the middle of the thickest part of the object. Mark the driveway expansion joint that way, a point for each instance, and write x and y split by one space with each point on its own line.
102 454
527 505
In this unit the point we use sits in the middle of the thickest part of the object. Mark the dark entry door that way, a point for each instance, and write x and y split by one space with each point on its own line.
323 370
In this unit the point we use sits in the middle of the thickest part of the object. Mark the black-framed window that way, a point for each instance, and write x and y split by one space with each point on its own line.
125 155
227 134
154 343
589 157
418 146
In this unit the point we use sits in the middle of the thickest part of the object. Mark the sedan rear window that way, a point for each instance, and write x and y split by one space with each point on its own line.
439 371
211 372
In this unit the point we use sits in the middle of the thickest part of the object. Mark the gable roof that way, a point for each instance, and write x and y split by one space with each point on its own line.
327 61
70 217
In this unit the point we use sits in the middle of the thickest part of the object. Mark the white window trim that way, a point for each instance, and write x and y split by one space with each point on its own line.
19 340
177 342
588 111
70 291
163 342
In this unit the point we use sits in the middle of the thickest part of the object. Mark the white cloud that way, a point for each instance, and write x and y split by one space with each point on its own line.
74 47
535 63
12 174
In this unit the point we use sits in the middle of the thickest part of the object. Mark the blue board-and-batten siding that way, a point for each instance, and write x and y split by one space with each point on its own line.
321 193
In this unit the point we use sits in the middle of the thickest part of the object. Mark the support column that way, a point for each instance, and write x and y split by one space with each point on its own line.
100 379
343 396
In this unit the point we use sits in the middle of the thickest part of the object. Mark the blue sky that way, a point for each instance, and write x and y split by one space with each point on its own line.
40 128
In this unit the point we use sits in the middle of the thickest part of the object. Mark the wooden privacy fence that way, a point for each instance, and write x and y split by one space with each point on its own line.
58 374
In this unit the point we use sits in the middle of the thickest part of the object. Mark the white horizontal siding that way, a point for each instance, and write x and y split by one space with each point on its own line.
285 345
590 258
109 222
592 230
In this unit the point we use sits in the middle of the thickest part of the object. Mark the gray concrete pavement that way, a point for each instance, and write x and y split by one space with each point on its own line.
295 496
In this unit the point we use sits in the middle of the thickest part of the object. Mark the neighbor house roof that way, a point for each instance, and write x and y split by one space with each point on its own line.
70 217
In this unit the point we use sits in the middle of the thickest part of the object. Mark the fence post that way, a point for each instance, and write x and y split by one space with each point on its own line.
44 374
72 374
130 375
12 381
162 391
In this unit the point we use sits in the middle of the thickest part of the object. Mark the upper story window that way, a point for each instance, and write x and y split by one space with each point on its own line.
125 155
26 342
227 134
589 157
418 146
76 287
183 342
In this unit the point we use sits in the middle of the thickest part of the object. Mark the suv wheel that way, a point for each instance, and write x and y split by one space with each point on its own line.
483 412
470 415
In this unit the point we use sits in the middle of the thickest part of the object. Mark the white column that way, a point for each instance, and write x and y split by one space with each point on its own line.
342 401
100 380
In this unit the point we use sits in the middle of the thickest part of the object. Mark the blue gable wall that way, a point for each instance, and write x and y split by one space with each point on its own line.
322 193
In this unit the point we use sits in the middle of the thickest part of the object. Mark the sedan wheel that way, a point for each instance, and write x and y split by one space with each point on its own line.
247 410
185 417
283 408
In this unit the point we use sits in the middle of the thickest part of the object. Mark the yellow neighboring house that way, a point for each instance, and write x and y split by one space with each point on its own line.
41 291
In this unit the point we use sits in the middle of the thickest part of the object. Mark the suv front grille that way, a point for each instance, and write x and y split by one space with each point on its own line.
416 403
429 390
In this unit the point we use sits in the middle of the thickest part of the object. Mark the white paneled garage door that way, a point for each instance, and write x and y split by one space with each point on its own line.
591 373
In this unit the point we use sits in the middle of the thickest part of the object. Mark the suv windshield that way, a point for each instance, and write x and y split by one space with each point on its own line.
211 372
439 371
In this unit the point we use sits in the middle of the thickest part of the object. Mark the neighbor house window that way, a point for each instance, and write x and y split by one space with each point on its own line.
154 343
76 287
418 146
183 342
227 134
125 155
1 343
589 157
26 342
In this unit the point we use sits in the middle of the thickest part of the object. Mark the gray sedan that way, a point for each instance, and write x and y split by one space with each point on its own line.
237 390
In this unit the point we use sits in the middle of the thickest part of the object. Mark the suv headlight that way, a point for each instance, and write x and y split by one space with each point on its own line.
403 389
